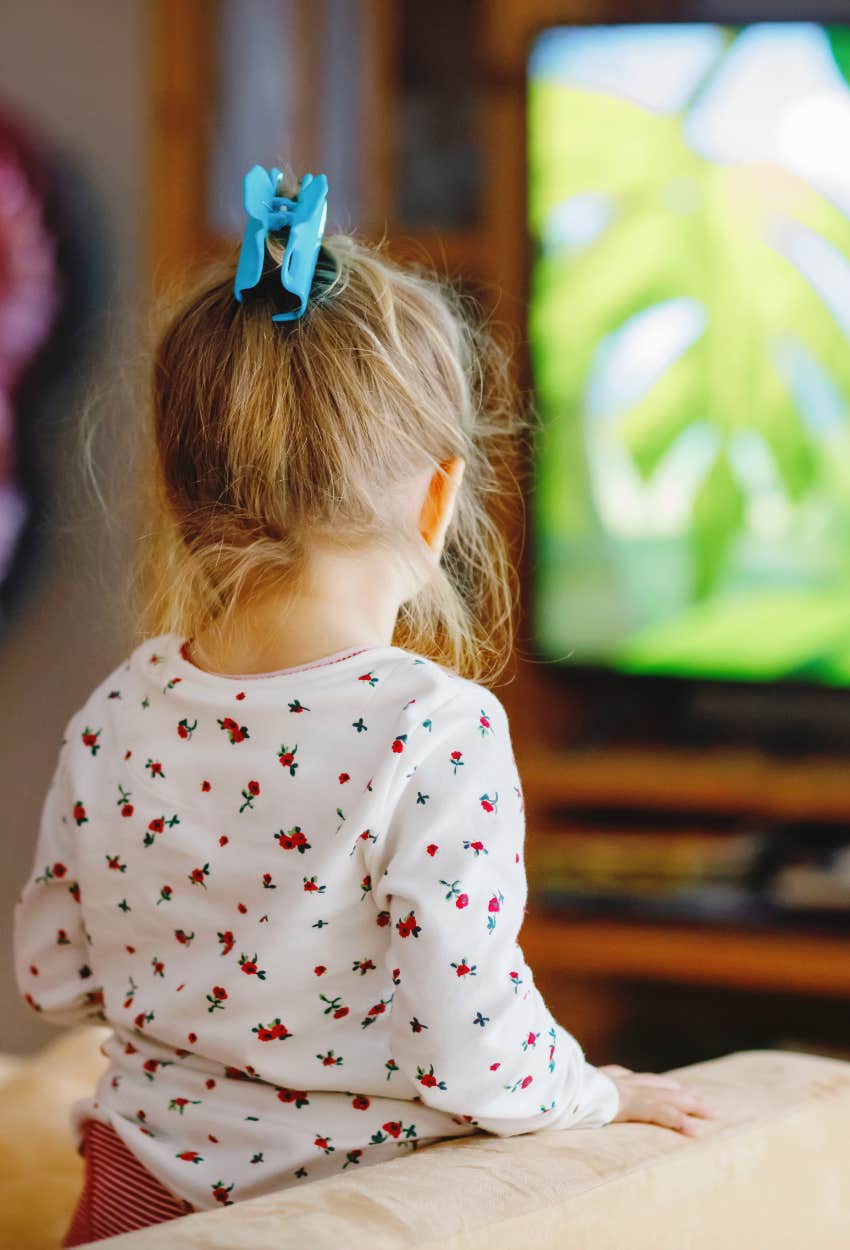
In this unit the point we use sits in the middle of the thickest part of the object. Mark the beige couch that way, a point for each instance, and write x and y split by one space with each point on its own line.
772 1174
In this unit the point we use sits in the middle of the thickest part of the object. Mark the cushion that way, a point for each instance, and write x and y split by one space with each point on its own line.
771 1174
41 1174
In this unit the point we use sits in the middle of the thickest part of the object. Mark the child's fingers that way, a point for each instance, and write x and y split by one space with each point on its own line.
694 1105
669 1116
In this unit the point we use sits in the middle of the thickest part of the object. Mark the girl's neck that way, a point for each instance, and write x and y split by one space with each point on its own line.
348 602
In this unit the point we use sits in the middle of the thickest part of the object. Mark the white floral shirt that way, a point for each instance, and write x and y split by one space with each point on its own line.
295 898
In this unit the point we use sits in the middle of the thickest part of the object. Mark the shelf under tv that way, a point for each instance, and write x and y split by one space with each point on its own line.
704 907
566 949
717 781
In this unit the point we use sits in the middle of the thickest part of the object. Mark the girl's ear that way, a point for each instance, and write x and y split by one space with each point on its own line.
439 504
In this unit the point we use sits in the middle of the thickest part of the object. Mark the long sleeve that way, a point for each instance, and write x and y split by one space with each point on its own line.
51 956
469 1027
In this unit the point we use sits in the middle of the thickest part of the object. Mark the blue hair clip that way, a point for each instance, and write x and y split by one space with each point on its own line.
305 218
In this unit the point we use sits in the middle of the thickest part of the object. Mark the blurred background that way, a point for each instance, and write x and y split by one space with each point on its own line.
653 198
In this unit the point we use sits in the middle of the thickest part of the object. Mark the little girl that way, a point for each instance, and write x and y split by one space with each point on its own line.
282 852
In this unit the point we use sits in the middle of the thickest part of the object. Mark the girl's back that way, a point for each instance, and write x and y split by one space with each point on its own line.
301 894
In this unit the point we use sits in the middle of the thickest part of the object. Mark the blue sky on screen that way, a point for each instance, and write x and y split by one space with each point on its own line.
656 66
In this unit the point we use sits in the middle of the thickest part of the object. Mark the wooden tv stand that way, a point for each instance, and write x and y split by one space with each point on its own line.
568 951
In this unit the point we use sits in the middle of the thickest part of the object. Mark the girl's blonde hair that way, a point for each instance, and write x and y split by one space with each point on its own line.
265 437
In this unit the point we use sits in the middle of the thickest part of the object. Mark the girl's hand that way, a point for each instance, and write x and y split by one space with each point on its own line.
650 1098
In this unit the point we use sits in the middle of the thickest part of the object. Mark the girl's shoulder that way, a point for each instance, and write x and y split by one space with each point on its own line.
119 685
437 691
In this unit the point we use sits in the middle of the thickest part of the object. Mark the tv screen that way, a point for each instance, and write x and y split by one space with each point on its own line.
689 209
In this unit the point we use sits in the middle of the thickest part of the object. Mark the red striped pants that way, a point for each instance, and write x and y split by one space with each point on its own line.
119 1193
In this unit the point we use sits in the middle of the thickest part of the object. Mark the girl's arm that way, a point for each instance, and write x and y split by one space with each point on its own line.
469 1026
51 955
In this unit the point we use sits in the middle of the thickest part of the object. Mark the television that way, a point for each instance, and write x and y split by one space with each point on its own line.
689 335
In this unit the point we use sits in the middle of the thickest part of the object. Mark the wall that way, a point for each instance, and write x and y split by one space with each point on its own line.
79 72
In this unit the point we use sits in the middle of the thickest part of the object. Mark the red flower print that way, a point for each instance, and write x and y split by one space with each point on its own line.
292 840
249 794
461 901
191 1038
374 1011
80 813
180 1104
217 998
157 825
343 777
493 905
298 1096
185 730
206 787
369 679
456 760
222 1194
428 1079
273 1032
59 870
190 1156
286 756
319 969
196 876
398 744
464 969
223 840
90 739
268 884
382 919
155 767
323 1143
489 804
432 849
297 707
329 1060
227 941
393 1127
242 909
408 926
484 725
235 732
334 1008
209 1083
526 1081
361 1103
311 886
249 967
477 848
